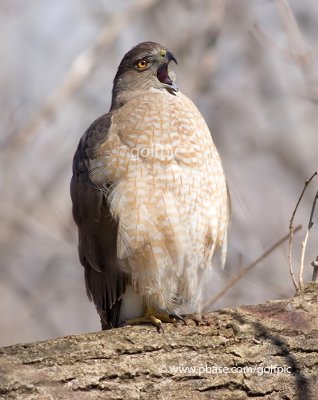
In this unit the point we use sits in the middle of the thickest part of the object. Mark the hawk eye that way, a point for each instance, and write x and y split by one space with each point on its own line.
142 64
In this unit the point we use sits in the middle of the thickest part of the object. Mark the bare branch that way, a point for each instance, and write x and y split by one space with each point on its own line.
79 70
297 51
292 230
245 270
304 243
265 39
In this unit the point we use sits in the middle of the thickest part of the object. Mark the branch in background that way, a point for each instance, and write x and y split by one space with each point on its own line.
298 51
292 230
82 66
301 58
13 215
247 269
208 63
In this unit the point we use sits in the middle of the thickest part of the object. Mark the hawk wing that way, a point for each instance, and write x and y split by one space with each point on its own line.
97 229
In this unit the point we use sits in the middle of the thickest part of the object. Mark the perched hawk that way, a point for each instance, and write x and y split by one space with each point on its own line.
149 198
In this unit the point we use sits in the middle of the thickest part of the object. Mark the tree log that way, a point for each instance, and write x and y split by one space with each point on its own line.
267 351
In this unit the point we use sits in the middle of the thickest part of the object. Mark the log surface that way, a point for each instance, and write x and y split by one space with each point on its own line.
267 351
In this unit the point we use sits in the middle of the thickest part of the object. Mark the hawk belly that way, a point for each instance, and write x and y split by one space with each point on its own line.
169 197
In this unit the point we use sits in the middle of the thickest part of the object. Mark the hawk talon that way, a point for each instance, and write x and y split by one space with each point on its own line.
155 318
160 328
177 317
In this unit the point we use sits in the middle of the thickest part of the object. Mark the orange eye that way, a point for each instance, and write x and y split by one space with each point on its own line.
142 64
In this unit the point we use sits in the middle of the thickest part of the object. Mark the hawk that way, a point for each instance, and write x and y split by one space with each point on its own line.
149 198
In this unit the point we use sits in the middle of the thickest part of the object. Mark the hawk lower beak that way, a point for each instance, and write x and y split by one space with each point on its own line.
174 86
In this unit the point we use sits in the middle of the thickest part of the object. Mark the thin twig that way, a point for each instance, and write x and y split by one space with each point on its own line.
245 270
304 243
292 230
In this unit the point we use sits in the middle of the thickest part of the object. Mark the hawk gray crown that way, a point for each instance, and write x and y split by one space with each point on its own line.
149 198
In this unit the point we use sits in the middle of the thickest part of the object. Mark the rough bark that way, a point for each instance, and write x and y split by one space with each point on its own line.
138 363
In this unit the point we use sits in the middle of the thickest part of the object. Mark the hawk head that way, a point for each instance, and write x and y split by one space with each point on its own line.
145 66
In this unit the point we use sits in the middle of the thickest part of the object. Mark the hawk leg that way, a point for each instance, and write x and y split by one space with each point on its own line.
155 318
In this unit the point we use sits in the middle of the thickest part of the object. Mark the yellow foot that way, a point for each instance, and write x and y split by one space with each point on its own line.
155 318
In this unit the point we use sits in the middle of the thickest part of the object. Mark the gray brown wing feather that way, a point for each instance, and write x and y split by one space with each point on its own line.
97 230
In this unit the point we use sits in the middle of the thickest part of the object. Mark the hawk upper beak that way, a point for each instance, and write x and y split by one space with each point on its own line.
171 57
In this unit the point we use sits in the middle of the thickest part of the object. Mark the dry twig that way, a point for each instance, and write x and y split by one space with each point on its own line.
245 270
292 230
304 245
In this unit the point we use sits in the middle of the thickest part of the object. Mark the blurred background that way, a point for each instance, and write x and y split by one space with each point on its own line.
251 68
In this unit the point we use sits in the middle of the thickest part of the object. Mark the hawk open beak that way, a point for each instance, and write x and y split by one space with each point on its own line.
163 74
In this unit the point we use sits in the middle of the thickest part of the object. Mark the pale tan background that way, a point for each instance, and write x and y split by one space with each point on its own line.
257 92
